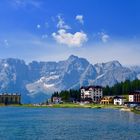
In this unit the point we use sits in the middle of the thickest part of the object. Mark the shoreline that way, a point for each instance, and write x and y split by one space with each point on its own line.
73 105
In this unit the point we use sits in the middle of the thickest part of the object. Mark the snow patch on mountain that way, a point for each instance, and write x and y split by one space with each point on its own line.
42 85
37 80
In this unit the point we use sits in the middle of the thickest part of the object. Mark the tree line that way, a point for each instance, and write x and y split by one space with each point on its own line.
68 95
123 88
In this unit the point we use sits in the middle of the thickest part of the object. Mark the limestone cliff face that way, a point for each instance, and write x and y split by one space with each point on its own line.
37 80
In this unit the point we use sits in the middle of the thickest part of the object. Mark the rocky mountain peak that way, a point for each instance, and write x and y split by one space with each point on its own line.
40 79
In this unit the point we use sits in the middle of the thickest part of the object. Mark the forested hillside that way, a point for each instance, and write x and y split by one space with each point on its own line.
122 88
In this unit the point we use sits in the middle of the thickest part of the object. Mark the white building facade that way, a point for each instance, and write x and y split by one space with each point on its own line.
93 93
57 100
119 100
131 98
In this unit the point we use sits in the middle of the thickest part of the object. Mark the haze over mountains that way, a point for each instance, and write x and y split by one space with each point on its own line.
37 80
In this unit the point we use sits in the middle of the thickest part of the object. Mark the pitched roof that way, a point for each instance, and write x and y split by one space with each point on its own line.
93 87
134 92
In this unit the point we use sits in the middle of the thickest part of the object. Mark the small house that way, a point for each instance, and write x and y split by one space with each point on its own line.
134 96
107 100
57 100
119 100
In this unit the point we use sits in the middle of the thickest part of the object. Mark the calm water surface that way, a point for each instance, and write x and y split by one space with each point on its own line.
68 124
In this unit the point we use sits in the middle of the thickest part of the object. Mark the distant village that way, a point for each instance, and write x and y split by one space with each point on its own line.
94 94
88 95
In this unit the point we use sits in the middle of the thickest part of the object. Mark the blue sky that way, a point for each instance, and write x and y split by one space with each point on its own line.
51 30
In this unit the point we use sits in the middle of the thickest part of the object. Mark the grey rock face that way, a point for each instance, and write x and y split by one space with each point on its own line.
37 80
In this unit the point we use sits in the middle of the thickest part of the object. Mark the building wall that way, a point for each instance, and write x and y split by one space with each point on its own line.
10 99
131 98
94 93
134 98
57 100
118 101
106 100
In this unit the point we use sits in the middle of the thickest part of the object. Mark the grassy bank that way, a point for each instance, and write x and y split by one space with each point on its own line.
70 105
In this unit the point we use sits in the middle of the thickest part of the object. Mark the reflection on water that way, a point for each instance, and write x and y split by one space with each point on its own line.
67 124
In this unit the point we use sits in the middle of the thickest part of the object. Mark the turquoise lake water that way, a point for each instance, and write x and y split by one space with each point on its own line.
67 124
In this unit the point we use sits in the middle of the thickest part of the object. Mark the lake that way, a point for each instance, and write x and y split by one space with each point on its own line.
19 123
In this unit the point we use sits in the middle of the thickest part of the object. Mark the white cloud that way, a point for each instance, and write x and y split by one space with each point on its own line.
25 3
104 37
77 39
38 26
80 18
61 23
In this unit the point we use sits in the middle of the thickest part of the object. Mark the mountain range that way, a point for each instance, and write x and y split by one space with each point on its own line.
37 80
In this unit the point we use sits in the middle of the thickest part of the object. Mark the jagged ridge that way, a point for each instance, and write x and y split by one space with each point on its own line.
37 80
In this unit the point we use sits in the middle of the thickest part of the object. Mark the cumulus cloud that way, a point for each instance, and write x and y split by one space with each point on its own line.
80 18
63 37
61 23
104 37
